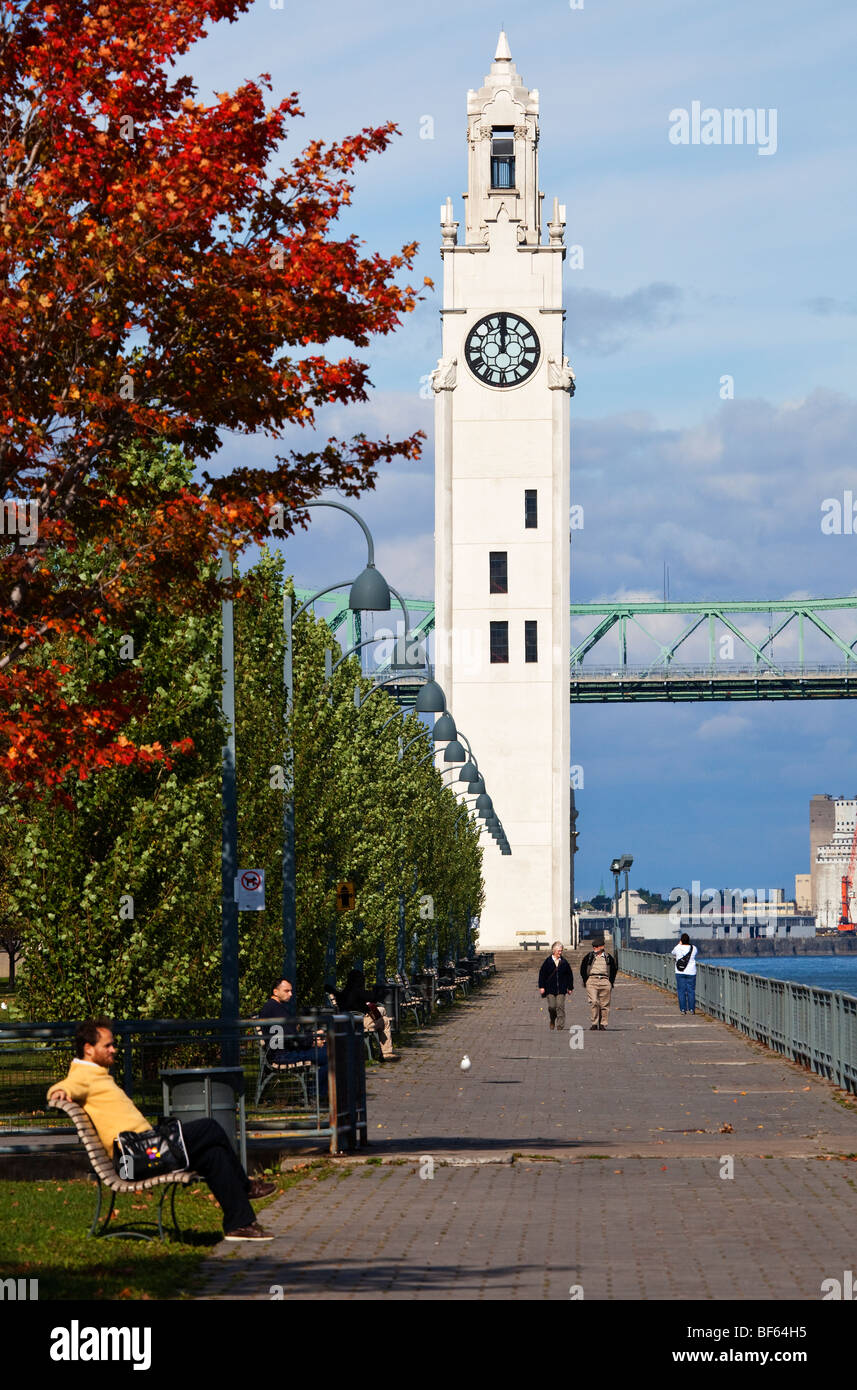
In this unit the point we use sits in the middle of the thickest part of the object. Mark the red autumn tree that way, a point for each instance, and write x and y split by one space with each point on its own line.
160 285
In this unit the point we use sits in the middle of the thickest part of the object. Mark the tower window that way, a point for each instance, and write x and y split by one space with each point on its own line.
498 572
531 640
502 157
531 508
499 642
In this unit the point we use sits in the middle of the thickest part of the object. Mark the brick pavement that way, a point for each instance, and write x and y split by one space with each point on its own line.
627 1200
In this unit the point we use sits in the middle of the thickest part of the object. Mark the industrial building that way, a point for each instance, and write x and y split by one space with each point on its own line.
832 823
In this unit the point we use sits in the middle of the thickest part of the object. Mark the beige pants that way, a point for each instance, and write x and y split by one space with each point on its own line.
371 1026
598 991
556 1010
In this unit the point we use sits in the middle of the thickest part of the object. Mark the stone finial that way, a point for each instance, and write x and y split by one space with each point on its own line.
556 227
448 225
504 53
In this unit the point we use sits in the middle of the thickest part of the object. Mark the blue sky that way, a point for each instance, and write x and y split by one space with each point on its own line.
700 261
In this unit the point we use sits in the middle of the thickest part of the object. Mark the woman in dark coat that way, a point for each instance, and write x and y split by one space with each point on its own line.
556 979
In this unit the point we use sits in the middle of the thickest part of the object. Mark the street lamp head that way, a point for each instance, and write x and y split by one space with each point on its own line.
626 861
431 699
454 752
468 773
477 786
370 592
484 803
444 728
616 866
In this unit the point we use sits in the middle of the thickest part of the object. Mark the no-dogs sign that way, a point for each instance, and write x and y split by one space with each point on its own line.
250 890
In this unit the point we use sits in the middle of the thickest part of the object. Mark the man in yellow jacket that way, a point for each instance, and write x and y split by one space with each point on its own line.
209 1151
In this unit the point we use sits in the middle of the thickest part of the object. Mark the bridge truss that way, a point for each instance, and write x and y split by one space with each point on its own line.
672 652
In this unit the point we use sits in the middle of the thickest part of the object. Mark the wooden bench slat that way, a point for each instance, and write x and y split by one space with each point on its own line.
101 1163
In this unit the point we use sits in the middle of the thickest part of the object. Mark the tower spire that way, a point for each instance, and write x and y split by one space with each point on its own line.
504 53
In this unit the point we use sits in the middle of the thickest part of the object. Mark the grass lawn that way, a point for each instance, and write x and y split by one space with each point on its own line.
43 1236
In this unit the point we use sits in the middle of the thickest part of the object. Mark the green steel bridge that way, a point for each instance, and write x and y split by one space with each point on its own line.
671 652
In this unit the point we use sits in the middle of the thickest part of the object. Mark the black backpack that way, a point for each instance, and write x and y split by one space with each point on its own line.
682 962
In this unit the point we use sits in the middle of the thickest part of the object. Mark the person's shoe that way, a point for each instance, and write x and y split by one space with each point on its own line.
259 1188
552 1026
602 1027
593 1027
252 1232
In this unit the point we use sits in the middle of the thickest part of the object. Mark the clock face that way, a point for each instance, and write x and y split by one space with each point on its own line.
502 349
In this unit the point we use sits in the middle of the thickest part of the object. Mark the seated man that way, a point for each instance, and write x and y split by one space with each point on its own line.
209 1151
297 1046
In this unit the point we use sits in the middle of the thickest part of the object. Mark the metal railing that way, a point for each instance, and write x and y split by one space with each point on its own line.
35 1055
720 671
816 1027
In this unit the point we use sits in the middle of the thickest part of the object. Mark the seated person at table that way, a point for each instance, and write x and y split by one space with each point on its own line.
297 1046
209 1151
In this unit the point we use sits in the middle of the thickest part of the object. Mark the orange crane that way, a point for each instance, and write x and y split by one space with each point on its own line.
845 922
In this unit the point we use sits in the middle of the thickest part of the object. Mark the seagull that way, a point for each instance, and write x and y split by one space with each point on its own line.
465 1063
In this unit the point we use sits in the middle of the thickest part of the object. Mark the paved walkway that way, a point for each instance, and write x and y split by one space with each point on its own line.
665 1158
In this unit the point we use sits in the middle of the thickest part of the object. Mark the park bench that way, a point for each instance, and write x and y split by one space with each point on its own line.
411 999
532 939
290 1073
425 982
451 975
272 1072
474 968
106 1176
443 987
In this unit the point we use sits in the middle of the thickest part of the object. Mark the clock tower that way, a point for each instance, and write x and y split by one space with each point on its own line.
502 390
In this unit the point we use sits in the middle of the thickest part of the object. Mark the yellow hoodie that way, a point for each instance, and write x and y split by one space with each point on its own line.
106 1104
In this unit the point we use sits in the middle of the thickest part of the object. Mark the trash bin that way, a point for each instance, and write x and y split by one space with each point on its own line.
209 1093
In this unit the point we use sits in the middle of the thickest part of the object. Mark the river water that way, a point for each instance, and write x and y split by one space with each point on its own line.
825 972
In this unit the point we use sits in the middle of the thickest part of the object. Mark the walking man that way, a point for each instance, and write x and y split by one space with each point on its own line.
598 971
556 979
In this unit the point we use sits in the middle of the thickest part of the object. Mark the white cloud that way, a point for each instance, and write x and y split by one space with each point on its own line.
723 726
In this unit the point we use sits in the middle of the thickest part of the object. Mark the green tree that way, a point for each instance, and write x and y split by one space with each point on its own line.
119 886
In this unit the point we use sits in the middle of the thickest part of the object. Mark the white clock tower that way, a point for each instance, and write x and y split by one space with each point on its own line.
502 390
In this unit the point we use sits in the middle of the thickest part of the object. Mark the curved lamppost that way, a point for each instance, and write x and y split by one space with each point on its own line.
368 592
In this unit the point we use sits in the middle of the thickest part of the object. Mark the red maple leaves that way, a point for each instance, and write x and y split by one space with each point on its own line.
160 286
